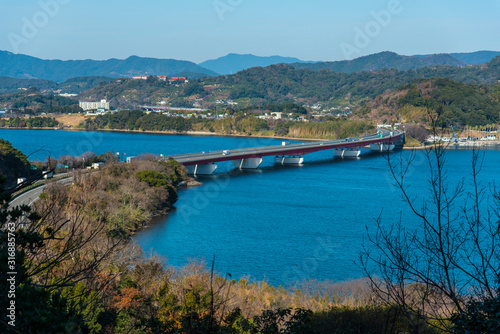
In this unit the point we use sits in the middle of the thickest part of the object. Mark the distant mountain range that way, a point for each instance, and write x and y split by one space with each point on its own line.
382 60
233 62
71 86
473 58
27 67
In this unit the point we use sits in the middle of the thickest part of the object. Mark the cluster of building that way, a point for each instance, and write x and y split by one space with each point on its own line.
283 116
272 115
184 112
161 77
469 137
228 102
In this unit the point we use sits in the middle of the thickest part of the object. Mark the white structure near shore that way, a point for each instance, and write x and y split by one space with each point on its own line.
94 105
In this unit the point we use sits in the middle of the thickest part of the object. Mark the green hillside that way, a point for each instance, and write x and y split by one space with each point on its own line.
281 84
32 101
72 86
23 66
447 101
13 163
383 60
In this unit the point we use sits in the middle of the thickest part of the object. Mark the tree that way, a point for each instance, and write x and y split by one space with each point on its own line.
193 88
416 131
452 258
50 250
479 317
13 163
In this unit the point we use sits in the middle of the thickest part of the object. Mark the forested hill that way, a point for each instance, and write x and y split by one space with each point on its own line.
8 84
273 84
73 85
455 103
32 101
233 63
13 163
476 58
382 60
284 83
22 66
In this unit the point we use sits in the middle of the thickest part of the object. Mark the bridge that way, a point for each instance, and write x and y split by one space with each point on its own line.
204 163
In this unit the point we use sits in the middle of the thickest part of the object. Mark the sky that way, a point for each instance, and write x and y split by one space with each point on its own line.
198 30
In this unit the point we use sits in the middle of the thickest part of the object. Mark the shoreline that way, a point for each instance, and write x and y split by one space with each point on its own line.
194 134
170 133
480 145
161 215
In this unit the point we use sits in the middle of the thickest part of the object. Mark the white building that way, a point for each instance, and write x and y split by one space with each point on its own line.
98 165
276 115
94 105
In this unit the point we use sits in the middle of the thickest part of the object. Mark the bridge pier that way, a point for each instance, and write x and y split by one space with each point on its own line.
400 142
284 160
248 163
347 153
204 169
383 147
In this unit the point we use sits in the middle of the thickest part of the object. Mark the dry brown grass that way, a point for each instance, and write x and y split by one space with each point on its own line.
71 120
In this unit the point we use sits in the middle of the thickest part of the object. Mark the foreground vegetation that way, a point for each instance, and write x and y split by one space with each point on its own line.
13 163
78 272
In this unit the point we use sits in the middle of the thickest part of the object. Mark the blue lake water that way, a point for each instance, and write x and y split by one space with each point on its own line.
279 224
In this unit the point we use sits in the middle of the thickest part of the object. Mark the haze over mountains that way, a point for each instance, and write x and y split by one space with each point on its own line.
382 60
27 67
22 66
474 58
233 62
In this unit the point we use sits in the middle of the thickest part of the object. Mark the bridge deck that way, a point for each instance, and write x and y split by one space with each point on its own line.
298 149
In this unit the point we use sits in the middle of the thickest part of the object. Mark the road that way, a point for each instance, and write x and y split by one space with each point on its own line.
29 197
